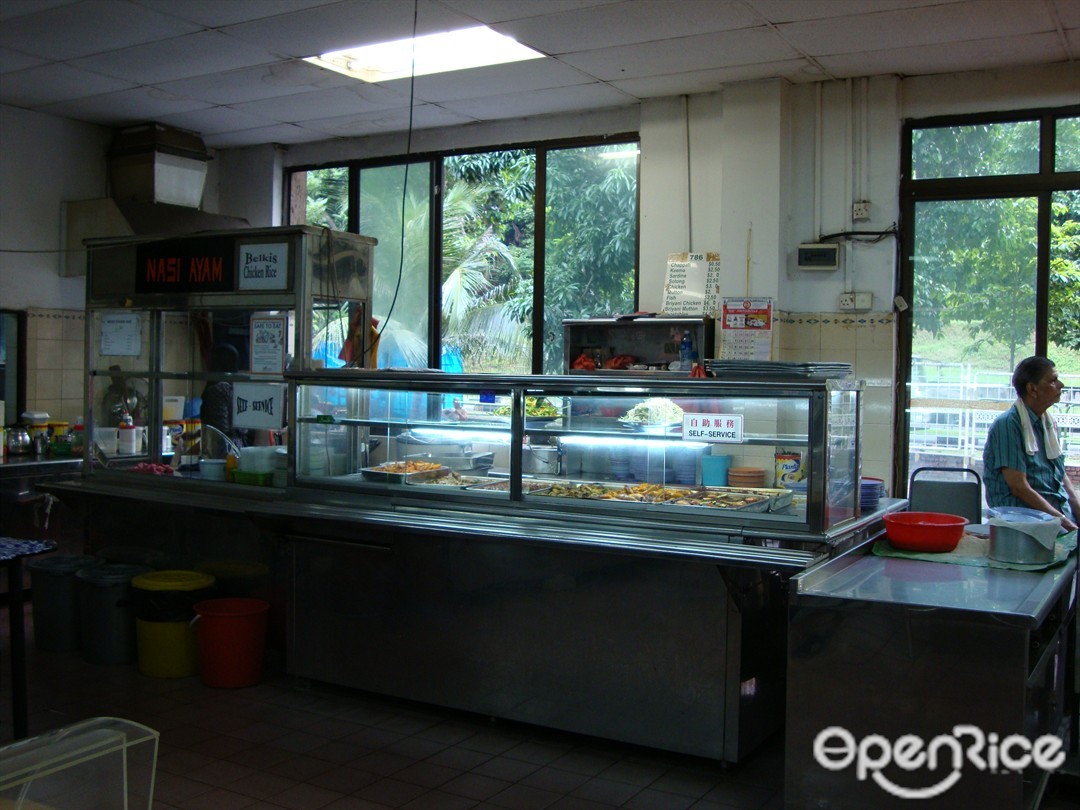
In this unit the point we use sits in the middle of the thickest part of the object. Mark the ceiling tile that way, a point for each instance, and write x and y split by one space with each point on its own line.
88 27
709 81
14 60
751 46
337 101
487 12
279 133
952 22
425 116
779 11
329 28
194 55
120 109
218 13
256 83
524 77
9 11
542 102
213 120
54 82
626 23
980 55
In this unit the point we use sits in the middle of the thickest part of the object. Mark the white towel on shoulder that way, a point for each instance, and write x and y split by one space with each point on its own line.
1031 445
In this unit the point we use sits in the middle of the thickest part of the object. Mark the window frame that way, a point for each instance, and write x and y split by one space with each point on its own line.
1041 185
436 163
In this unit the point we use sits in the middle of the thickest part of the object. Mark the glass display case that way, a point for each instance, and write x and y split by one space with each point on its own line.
188 339
768 456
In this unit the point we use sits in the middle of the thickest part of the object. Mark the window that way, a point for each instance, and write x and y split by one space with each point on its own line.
485 253
991 268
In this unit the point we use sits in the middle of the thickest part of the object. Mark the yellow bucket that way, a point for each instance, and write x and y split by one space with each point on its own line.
166 649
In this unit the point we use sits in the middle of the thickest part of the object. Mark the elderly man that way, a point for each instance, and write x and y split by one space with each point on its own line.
1023 464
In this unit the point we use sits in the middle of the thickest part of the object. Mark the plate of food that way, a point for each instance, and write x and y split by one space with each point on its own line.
654 415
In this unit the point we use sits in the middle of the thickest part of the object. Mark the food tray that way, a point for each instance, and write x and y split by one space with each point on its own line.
377 474
503 485
715 498
460 463
453 480
778 498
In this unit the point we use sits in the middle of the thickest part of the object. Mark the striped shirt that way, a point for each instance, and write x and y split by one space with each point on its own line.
1005 448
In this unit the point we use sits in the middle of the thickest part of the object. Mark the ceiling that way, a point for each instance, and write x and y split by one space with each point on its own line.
232 70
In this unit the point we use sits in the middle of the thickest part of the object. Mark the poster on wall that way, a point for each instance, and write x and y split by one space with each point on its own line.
267 345
692 284
264 266
121 334
258 406
746 326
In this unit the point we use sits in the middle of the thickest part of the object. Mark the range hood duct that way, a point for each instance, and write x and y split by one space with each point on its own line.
156 177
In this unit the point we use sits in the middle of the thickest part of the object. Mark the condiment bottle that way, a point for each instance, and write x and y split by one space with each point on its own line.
127 442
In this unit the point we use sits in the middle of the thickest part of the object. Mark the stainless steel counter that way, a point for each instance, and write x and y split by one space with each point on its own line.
885 648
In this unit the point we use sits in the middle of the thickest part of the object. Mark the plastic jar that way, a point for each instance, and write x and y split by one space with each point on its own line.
127 440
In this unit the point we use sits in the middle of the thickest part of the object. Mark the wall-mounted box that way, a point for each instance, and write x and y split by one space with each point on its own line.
819 256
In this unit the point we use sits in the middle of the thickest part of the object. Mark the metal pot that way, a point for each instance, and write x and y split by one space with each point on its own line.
540 460
1012 545
18 440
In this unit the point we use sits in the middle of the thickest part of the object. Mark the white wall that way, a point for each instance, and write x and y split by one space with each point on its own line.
43 160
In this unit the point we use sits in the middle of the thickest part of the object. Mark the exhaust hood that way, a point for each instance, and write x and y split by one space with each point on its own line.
156 175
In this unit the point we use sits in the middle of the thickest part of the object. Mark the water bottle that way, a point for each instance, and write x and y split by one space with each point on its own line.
686 349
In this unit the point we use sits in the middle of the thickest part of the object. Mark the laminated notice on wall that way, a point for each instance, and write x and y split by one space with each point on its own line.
746 329
692 284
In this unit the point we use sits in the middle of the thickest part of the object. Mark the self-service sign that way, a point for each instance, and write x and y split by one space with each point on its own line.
713 427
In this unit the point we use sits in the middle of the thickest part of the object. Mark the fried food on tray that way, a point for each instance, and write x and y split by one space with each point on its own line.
408 467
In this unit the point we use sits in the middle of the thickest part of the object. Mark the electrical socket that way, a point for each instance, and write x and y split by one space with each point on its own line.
856 301
860 210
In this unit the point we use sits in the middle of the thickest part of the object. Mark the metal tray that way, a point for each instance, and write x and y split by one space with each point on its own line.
454 480
763 504
503 485
375 474
458 463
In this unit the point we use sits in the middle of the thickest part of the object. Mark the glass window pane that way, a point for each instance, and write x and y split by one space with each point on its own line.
591 239
974 268
1064 319
977 150
487 270
400 220
324 195
1067 145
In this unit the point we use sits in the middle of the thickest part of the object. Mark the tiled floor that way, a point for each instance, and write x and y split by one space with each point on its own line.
304 746
284 744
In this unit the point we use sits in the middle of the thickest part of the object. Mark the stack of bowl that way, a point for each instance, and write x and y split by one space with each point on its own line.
746 477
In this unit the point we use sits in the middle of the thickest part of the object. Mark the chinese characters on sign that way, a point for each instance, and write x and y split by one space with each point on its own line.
713 427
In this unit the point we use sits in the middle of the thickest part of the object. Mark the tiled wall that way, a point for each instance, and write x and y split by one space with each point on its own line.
867 340
55 355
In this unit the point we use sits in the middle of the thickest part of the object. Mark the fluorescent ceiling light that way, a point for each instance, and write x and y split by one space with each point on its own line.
434 53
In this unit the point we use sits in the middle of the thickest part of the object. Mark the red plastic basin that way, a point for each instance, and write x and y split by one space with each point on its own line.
924 531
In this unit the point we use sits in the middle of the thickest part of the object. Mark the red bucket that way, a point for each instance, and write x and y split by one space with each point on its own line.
232 641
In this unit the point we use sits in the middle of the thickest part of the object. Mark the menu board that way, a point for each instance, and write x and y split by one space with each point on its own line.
692 284
746 329
121 335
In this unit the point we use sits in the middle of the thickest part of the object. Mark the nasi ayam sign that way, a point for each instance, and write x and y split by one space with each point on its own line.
175 265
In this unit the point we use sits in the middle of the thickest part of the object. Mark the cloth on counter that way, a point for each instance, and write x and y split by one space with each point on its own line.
974 550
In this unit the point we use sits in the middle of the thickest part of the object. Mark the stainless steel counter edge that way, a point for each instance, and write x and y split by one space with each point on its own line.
679 542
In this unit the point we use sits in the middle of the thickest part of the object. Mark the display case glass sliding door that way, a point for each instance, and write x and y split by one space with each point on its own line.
705 451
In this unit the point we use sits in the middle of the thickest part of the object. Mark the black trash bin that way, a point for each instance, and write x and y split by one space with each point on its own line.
55 601
163 603
108 620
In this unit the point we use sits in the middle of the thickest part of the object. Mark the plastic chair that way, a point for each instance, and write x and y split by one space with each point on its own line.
952 496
